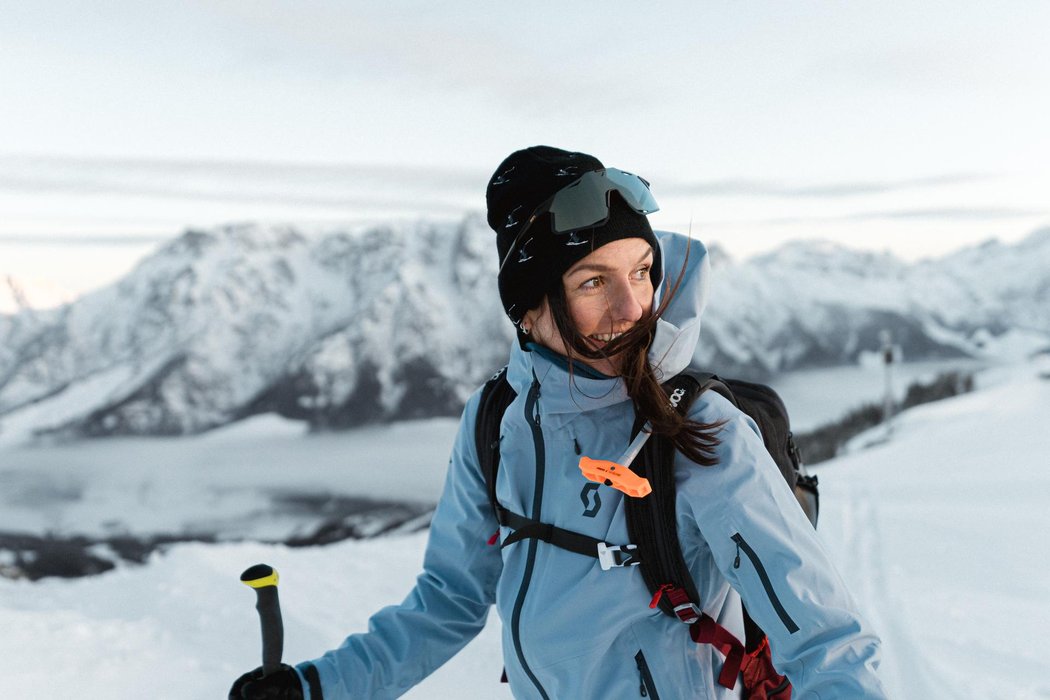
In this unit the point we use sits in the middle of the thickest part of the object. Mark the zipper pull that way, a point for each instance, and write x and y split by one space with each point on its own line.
643 673
736 562
659 593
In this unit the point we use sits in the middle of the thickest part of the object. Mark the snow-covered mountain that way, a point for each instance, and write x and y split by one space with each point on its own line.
817 304
346 329
403 321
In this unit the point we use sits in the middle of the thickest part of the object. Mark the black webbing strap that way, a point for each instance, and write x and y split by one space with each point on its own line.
313 680
495 398
652 521
527 528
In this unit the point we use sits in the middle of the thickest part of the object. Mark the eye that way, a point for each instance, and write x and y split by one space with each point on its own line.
592 283
642 272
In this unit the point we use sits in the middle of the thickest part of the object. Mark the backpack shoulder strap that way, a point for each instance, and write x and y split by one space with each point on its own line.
496 395
652 522
767 409
697 382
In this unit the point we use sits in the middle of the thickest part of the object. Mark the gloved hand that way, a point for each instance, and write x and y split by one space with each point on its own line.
282 684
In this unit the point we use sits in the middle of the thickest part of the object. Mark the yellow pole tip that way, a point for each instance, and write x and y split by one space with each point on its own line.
260 576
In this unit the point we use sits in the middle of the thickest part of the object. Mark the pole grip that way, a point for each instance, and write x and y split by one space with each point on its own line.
269 606
263 579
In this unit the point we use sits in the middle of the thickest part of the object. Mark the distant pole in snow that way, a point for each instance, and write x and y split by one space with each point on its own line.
888 358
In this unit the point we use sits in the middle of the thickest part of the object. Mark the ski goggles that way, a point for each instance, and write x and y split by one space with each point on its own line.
585 203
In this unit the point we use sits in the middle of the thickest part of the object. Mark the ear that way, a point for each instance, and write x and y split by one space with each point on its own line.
528 321
533 316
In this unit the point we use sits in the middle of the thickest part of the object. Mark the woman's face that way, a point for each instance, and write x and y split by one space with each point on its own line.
607 293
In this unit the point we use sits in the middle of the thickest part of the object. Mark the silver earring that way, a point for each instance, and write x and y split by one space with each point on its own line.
524 329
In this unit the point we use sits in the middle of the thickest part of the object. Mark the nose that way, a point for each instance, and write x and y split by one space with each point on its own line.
628 302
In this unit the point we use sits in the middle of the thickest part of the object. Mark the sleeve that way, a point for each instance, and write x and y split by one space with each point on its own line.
447 607
763 544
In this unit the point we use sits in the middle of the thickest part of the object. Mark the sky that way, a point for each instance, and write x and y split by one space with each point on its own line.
915 128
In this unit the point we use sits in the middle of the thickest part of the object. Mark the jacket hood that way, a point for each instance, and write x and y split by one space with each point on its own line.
674 344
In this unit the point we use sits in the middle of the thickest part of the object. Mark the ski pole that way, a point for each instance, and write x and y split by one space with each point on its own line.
263 579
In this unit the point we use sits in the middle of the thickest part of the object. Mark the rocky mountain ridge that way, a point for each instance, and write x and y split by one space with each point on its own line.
396 322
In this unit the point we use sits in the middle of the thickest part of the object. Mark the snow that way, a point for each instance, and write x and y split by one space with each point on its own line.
184 627
69 403
939 529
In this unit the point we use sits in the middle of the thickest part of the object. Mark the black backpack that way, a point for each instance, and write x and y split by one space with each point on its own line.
651 523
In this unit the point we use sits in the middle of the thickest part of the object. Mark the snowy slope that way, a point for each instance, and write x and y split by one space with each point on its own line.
940 531
402 321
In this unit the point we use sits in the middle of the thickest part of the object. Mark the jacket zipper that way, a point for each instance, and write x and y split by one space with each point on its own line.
647 689
533 419
741 544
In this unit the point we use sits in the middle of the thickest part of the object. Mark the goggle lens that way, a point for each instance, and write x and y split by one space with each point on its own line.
585 203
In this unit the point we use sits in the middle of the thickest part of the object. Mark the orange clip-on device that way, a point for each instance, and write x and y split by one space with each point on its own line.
616 474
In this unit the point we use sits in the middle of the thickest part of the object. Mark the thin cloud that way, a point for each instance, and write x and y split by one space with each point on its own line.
91 239
236 182
234 196
943 214
950 214
767 188
441 178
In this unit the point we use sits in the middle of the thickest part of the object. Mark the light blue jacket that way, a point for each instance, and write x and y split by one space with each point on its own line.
572 630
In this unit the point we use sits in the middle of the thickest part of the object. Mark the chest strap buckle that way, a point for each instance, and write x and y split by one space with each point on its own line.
617 555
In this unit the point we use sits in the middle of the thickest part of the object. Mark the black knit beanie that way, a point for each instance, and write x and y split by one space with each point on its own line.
539 258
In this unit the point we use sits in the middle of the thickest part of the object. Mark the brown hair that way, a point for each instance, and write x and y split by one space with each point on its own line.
695 440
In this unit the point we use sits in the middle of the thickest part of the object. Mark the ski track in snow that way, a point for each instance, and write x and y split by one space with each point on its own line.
860 554
940 531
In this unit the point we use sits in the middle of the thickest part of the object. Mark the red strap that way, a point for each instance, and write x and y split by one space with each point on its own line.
707 631
760 650
659 593
761 680
677 595
494 539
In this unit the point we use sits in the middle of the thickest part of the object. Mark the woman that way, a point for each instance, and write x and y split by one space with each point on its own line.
599 327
